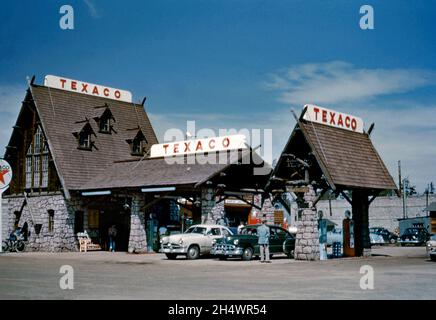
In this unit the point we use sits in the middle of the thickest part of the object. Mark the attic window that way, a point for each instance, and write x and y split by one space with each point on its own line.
105 125
105 119
84 137
138 144
84 140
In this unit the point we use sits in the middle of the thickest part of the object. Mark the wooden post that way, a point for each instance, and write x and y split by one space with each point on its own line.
360 209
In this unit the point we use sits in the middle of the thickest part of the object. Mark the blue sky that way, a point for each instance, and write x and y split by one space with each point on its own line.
240 64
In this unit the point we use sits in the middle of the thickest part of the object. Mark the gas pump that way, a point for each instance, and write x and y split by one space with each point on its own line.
152 234
322 227
348 233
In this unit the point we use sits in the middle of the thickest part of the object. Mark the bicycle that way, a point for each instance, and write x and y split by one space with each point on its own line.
13 245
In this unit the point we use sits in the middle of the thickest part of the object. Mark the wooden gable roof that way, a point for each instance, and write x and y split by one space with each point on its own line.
61 113
345 159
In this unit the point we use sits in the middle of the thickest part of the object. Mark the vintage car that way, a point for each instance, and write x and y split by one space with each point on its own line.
244 245
388 237
415 236
195 241
431 247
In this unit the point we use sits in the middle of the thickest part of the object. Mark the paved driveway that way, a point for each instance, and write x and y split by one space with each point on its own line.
399 273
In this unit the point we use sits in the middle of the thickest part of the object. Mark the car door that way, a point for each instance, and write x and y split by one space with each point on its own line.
282 237
275 243
212 234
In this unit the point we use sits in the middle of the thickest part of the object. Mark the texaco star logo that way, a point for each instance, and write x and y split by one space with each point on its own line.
5 174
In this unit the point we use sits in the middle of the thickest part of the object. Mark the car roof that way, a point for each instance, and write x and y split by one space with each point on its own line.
209 226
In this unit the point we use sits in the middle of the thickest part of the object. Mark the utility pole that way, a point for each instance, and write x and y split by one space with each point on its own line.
405 181
399 177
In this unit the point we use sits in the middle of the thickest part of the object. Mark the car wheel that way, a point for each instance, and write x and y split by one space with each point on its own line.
171 256
222 258
392 241
290 254
247 255
193 252
20 246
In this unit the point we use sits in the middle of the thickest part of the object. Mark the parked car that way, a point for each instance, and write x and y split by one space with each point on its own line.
415 236
244 245
376 238
388 237
195 241
431 247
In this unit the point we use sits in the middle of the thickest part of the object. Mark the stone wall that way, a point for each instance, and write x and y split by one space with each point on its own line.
383 211
307 238
60 238
5 219
138 235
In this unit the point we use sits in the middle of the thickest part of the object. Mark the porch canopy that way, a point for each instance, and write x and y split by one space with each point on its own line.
231 173
330 157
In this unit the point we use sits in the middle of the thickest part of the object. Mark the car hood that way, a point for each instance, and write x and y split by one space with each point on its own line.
175 238
230 239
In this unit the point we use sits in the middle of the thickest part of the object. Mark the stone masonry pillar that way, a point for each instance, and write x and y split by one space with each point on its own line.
138 236
307 240
207 205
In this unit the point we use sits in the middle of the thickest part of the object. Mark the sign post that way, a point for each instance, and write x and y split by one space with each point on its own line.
5 179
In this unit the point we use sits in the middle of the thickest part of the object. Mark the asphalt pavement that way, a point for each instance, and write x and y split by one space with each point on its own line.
398 273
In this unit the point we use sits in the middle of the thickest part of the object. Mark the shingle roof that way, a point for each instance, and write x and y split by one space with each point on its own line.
349 158
60 111
150 172
168 172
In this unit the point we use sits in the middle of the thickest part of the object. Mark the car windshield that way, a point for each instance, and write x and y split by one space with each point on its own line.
200 230
249 231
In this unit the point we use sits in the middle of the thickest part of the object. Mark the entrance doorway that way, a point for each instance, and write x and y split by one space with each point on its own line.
103 213
121 219
236 213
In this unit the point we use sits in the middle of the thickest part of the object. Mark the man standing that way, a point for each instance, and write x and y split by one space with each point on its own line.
263 241
112 232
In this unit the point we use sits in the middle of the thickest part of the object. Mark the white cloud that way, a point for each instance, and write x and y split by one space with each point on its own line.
92 9
338 82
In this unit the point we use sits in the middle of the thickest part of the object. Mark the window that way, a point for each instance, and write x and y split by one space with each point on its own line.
93 219
105 124
83 133
37 162
78 222
138 144
50 221
84 140
214 232
17 215
225 232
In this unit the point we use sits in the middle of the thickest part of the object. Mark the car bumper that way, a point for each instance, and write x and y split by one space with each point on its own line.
226 250
410 241
172 249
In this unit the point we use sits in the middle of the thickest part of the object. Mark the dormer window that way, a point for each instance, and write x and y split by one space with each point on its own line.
138 144
84 140
105 125
84 136
104 118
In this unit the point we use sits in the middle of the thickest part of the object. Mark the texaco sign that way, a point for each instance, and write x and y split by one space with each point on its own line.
5 174
87 88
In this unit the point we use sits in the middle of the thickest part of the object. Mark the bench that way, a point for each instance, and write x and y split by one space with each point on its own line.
85 243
